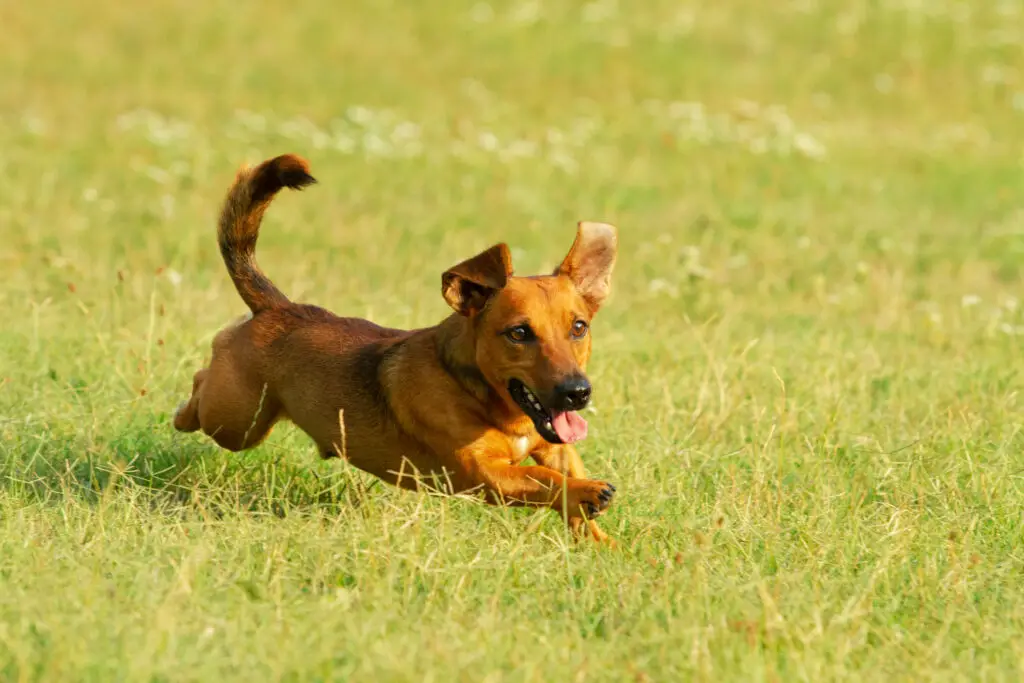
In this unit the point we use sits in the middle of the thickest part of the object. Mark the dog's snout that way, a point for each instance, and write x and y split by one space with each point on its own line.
573 393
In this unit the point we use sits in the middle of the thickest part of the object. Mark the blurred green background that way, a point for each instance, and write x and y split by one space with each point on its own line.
806 378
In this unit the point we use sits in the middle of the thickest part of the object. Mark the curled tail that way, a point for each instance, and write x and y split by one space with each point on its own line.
240 220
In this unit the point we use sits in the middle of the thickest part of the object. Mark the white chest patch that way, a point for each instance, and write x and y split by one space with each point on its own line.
520 444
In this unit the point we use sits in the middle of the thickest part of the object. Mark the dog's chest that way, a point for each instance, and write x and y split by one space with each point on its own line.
521 447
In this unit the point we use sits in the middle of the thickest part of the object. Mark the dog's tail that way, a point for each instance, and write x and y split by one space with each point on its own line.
240 220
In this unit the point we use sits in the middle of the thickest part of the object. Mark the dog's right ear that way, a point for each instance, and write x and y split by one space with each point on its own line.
467 286
590 261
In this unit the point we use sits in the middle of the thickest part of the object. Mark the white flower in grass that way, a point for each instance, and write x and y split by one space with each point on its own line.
519 149
406 131
599 11
528 12
376 146
809 146
693 111
488 141
129 120
482 13
659 286
360 115
157 174
33 124
738 262
994 74
321 140
969 300
564 161
250 120
167 206
1008 8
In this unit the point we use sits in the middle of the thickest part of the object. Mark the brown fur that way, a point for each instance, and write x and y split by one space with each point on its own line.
426 407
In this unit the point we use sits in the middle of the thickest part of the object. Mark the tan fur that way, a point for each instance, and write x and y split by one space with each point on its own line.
425 407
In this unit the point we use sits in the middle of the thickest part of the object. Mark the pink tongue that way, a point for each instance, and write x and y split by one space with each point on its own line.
569 426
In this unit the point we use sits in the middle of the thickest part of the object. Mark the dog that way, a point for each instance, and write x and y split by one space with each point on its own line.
458 407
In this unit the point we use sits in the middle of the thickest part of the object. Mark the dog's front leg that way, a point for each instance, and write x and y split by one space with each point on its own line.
488 463
543 486
566 459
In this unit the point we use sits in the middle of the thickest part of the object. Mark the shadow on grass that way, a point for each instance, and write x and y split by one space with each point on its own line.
180 472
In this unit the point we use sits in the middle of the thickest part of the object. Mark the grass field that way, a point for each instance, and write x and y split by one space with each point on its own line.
807 381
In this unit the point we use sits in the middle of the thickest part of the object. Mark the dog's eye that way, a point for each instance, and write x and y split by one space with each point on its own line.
579 329
519 333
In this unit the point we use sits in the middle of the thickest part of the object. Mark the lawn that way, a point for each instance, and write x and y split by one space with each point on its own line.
807 387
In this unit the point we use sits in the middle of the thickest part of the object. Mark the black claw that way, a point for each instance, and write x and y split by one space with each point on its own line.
611 486
591 510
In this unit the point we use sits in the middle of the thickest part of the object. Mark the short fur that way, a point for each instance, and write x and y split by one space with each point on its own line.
428 407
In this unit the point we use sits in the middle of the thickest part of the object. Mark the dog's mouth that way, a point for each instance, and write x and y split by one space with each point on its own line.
556 426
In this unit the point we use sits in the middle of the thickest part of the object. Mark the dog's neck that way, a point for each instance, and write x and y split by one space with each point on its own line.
457 351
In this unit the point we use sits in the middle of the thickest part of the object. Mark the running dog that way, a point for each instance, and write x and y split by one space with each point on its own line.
457 407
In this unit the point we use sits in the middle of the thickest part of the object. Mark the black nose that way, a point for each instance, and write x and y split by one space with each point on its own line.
573 393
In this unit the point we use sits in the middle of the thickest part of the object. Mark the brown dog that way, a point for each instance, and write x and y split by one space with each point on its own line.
463 403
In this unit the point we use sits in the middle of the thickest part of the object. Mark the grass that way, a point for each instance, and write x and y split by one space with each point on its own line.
807 379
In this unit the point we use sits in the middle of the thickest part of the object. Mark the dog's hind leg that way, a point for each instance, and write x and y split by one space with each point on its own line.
186 418
231 407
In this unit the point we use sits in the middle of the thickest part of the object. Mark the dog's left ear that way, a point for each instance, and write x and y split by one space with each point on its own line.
590 261
467 286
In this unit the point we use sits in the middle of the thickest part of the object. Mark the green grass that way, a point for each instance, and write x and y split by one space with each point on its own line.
807 378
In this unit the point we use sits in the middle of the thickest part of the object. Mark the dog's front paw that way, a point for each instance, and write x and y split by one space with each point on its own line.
589 497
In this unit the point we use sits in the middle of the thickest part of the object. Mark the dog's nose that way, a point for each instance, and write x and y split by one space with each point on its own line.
573 393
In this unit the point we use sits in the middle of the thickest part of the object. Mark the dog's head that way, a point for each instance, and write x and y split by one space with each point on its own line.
532 334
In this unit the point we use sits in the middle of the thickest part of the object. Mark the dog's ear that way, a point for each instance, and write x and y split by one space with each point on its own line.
467 286
590 261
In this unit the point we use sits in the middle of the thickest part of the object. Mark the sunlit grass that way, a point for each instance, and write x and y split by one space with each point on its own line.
806 380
